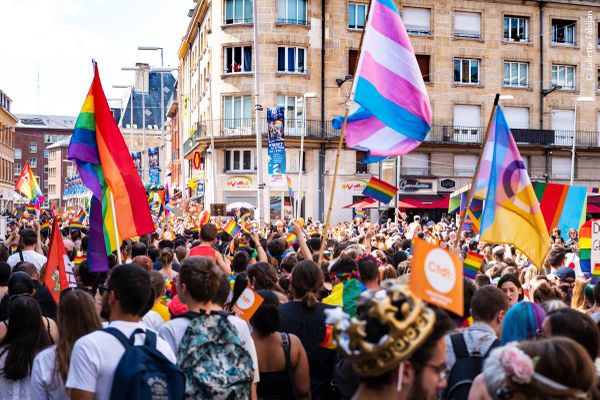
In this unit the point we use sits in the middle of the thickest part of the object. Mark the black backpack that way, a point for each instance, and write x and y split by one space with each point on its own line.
465 369
144 372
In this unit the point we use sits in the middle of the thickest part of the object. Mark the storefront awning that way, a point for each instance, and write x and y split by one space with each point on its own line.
363 204
424 201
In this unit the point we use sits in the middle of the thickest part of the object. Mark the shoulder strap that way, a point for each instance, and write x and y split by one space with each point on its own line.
119 335
21 255
495 344
150 338
287 345
188 315
48 329
459 346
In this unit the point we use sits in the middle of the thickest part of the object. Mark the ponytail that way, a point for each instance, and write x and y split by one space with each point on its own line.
310 300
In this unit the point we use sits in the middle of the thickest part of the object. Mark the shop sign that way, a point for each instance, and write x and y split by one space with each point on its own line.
238 182
417 186
197 160
448 184
355 185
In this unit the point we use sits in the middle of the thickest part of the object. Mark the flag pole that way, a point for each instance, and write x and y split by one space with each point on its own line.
471 192
114 218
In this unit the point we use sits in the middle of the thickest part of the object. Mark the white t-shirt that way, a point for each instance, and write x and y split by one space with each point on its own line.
31 256
153 320
45 383
96 356
172 332
14 390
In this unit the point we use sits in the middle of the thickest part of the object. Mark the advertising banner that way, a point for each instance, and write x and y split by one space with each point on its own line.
154 166
136 156
276 140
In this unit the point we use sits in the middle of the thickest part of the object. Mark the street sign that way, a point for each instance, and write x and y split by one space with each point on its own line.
197 160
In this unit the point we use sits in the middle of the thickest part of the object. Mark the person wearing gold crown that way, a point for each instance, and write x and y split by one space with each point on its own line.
396 344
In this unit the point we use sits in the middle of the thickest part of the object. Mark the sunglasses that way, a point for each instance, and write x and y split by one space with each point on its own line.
103 289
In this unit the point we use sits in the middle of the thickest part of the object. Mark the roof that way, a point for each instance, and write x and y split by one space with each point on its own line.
46 121
61 143
151 102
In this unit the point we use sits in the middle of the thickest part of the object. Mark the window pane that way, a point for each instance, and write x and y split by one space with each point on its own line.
554 75
506 24
248 11
247 160
474 71
237 59
280 101
456 70
523 75
247 107
238 10
228 107
291 59
360 17
570 78
352 15
292 12
236 160
229 12
465 71
300 60
228 60
227 160
514 74
247 58
302 11
237 107
561 74
281 59
506 73
281 9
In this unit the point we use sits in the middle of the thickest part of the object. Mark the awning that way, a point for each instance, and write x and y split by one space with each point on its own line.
363 204
424 201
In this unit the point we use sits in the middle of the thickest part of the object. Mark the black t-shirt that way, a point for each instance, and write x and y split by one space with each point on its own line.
309 326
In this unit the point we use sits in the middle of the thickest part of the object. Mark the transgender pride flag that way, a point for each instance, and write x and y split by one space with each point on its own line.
394 115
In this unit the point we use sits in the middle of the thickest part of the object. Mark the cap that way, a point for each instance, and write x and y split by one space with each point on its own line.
20 283
176 307
498 250
565 273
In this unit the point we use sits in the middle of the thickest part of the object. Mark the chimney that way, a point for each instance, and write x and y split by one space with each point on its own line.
141 77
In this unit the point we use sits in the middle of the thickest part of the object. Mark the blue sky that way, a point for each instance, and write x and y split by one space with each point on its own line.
60 37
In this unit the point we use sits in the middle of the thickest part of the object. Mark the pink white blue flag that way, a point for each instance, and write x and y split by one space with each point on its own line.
395 114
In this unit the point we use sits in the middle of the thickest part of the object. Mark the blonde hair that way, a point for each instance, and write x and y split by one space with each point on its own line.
579 301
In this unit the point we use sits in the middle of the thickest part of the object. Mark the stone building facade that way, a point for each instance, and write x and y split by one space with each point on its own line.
7 143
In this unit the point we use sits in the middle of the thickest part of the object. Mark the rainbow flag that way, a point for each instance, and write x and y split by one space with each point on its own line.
395 114
232 228
291 239
28 186
80 216
30 208
472 264
290 188
204 217
76 225
360 214
345 295
562 206
45 225
472 215
328 341
379 190
585 248
511 212
79 259
106 168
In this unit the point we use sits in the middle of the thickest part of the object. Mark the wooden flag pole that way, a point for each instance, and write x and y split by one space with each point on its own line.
333 185
471 192
114 217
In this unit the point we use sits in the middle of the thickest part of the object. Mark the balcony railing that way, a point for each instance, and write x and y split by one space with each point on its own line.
244 127
535 137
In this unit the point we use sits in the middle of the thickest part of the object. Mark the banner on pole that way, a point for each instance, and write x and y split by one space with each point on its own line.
136 156
154 166
276 140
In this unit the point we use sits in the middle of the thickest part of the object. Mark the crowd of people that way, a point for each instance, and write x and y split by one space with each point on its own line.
162 323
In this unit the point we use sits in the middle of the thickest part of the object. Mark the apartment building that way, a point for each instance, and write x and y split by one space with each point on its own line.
7 141
541 56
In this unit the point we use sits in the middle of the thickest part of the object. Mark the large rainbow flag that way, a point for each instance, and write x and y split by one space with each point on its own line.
379 190
27 185
395 114
106 168
563 206
511 212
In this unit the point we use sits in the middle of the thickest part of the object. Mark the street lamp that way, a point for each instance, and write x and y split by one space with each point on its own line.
130 87
580 99
309 95
143 68
153 48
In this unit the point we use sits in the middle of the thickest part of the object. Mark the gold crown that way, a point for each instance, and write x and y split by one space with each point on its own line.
406 319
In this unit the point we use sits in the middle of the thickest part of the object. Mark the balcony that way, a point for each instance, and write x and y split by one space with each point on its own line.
244 128
534 137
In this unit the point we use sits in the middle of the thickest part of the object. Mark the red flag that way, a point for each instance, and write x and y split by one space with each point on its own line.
56 274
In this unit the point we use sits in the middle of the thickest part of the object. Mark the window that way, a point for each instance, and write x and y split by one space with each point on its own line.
464 164
52 173
467 25
238 11
562 125
291 12
417 20
515 74
467 123
33 147
361 167
292 159
466 71
357 15
51 189
18 169
238 59
291 59
51 138
353 56
294 113
52 155
239 160
516 29
46 169
70 170
46 184
33 162
561 167
517 117
237 111
46 153
415 164
563 75
18 153
423 61
563 31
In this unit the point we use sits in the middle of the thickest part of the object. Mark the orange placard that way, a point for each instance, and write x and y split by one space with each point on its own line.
436 276
247 304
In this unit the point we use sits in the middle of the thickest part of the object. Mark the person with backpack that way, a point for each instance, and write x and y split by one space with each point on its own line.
125 360
215 360
465 351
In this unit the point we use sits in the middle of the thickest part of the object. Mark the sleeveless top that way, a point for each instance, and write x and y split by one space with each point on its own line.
278 385
203 251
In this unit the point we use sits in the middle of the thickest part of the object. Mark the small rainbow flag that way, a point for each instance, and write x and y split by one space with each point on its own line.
45 225
595 274
232 228
361 214
13 248
379 190
30 208
585 249
290 188
204 217
76 225
79 259
327 341
291 238
472 264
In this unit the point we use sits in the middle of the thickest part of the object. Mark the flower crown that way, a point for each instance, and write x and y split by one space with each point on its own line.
407 320
520 368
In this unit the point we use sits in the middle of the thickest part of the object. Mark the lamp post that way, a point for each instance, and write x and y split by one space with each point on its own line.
309 95
143 68
577 100
260 215
130 87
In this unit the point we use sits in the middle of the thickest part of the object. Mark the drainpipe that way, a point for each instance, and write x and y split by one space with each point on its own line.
323 134
541 43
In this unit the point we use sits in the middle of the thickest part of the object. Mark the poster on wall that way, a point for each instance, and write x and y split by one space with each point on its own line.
136 156
276 140
154 166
